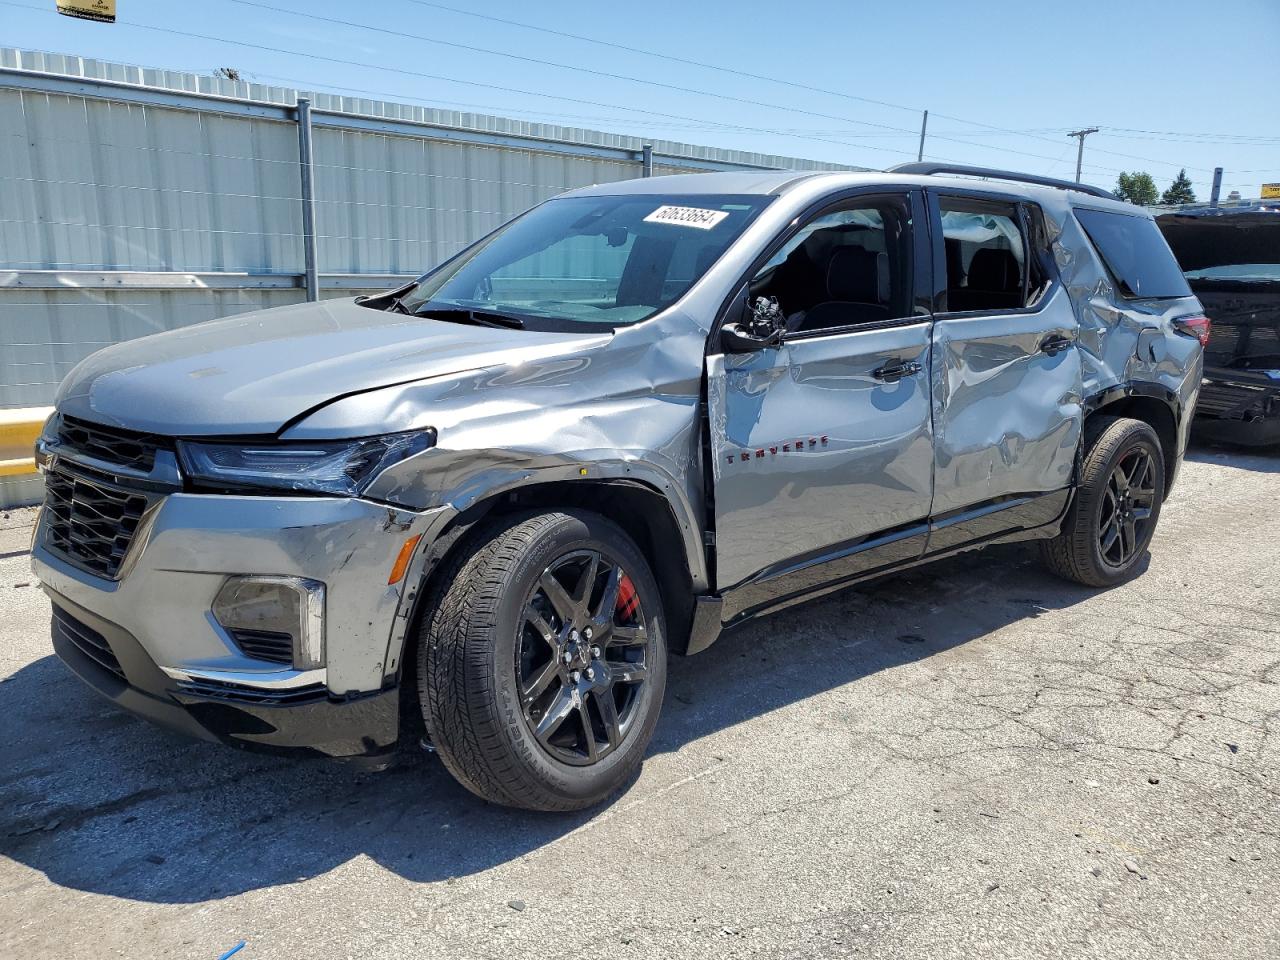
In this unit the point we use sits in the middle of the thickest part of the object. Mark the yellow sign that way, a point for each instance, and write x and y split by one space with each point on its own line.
104 11
1271 191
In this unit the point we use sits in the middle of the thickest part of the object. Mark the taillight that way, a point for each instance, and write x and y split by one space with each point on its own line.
1197 327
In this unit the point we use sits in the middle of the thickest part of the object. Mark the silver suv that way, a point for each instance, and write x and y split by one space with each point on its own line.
481 510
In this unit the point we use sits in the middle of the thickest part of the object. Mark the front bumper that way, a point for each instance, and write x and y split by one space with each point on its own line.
179 667
308 721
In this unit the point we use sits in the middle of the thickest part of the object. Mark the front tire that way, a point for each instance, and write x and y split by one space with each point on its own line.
542 660
1113 516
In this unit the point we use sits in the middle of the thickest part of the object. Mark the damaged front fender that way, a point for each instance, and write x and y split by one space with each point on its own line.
628 413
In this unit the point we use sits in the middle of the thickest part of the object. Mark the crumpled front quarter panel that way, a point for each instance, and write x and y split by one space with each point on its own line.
624 409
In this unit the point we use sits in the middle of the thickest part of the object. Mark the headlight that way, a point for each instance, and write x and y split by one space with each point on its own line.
341 467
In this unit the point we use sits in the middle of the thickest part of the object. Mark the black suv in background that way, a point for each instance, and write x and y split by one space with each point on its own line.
1232 263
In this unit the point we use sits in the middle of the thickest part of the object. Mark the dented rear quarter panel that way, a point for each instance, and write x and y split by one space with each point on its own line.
1125 343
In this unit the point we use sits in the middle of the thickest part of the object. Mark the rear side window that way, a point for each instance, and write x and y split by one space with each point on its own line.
987 264
1135 253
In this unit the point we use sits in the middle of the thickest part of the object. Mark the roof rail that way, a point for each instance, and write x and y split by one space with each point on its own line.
929 169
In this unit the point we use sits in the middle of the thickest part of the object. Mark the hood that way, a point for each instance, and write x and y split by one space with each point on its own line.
253 373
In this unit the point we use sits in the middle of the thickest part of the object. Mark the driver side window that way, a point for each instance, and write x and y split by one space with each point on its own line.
846 267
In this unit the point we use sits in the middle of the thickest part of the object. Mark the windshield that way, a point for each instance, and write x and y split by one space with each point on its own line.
589 262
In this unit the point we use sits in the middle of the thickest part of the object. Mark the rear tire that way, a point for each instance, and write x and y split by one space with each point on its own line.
542 660
1113 516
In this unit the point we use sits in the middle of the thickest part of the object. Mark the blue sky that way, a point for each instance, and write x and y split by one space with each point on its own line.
1172 83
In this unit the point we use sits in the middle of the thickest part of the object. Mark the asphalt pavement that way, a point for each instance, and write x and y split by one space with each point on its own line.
970 760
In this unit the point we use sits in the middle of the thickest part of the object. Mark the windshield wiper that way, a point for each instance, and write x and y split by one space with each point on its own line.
397 305
481 318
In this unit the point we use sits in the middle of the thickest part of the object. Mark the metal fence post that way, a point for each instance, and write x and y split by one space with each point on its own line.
308 199
646 160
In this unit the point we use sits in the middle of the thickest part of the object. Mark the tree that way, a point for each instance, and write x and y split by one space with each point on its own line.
1137 188
1180 190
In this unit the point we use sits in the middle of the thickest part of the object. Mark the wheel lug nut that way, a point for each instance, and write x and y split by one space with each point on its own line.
591 674
568 657
575 676
587 633
595 652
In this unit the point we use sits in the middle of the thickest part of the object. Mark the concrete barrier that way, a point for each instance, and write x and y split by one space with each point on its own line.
18 431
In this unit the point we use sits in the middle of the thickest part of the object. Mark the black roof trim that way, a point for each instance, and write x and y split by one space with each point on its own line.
930 169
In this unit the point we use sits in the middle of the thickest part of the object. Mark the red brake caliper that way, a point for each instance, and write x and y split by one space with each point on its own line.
628 602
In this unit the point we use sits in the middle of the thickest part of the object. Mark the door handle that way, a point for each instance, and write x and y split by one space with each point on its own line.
1055 344
895 370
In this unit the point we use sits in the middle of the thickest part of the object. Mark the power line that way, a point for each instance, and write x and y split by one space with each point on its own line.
670 58
896 131
670 116
1049 172
523 58
723 69
613 75
543 116
792 83
1181 133
697 126
447 79
505 89
1167 163
1207 141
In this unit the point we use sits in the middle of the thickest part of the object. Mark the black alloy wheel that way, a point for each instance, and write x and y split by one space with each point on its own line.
1128 502
542 659
1114 509
582 656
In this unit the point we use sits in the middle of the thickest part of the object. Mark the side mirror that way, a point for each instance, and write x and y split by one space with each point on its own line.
735 339
761 327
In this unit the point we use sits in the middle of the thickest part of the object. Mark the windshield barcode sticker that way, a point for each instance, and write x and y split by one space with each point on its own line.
687 217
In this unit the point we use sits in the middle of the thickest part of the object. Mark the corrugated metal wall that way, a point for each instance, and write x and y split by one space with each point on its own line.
390 204
193 196
97 185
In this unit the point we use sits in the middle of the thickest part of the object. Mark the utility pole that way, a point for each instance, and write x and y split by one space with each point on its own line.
1217 188
1080 135
924 125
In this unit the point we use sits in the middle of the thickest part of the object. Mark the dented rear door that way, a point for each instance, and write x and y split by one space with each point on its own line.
1007 379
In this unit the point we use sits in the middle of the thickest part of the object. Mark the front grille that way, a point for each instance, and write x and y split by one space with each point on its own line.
265 645
87 640
125 448
90 524
208 689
